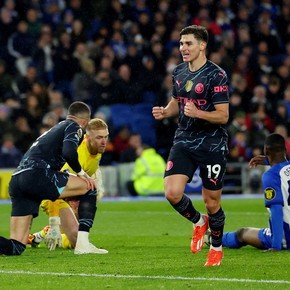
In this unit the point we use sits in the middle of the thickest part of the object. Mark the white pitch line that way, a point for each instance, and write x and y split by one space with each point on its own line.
286 282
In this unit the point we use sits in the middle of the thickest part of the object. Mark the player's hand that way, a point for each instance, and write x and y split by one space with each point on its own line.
158 113
258 160
53 236
190 110
91 184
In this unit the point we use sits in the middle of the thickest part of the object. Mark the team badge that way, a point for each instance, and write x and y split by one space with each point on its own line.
269 193
80 133
188 86
199 88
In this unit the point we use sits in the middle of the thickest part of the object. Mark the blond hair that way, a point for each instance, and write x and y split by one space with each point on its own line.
96 124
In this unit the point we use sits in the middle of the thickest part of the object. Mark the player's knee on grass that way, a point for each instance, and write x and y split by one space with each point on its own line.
11 247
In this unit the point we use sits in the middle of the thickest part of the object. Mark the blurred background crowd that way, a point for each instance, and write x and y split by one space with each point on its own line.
107 53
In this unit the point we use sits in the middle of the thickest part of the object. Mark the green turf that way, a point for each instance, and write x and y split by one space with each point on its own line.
148 247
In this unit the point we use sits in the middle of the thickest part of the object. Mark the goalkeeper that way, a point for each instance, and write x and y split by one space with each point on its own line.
63 213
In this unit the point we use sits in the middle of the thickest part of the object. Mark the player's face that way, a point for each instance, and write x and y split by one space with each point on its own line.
190 47
97 141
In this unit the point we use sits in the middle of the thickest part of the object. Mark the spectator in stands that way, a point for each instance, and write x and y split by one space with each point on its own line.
238 124
5 123
10 156
105 90
20 45
24 83
130 90
147 176
24 134
121 141
43 54
83 82
5 80
33 109
33 21
65 65
133 151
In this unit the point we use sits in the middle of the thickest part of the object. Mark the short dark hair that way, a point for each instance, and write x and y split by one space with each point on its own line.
79 109
275 143
199 32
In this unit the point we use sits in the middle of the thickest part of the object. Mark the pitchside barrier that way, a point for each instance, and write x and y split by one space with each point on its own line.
238 179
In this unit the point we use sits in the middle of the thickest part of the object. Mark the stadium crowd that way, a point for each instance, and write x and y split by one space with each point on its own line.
53 52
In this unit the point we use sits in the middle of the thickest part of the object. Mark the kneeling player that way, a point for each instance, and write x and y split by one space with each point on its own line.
59 212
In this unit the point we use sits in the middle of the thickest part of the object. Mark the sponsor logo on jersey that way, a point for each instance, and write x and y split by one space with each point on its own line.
188 86
199 88
198 102
269 193
169 165
220 89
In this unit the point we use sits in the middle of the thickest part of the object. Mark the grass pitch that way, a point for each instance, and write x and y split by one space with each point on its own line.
148 247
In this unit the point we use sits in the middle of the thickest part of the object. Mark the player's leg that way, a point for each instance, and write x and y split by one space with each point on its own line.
216 221
251 236
212 170
23 209
69 225
86 213
179 170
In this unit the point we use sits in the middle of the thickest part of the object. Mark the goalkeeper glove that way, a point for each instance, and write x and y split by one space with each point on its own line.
53 236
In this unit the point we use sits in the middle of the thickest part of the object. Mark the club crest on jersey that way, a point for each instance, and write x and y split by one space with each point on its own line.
188 86
199 88
269 193
80 133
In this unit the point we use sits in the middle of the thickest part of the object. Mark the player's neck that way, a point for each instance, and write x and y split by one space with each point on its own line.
195 65
278 159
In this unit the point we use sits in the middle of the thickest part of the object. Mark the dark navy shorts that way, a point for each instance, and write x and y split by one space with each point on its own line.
184 161
28 188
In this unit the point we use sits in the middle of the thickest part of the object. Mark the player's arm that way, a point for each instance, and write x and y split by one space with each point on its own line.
276 221
219 116
72 137
171 110
258 160
274 201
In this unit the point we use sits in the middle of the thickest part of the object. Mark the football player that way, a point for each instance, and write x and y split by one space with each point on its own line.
63 212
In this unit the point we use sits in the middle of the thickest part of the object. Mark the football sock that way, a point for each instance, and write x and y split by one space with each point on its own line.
230 240
87 210
216 224
186 209
11 247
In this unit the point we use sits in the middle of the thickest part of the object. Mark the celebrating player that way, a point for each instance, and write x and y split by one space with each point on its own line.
200 96
276 186
60 213
38 177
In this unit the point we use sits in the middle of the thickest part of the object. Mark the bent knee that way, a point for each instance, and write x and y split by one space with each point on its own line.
173 196
241 234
